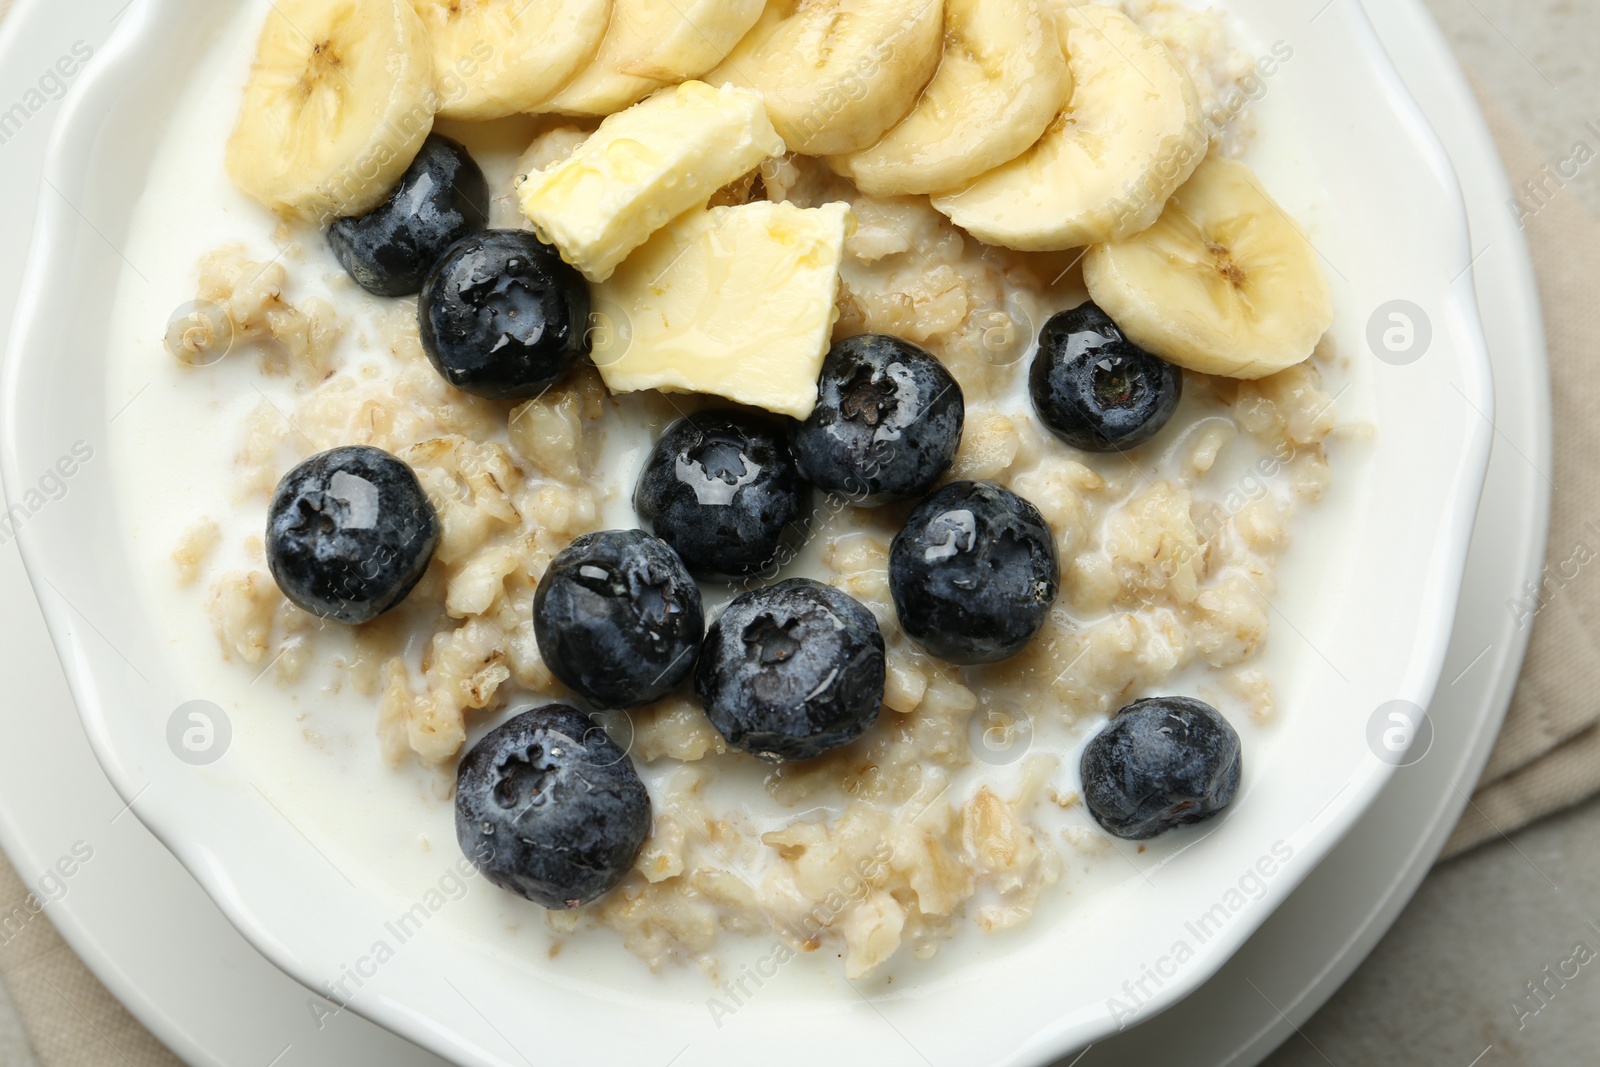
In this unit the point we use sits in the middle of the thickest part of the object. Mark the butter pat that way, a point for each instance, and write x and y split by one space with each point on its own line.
738 302
643 168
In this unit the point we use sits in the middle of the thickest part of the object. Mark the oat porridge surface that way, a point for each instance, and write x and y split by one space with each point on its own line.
957 808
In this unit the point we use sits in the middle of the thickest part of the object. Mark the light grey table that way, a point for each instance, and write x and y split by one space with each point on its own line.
1449 985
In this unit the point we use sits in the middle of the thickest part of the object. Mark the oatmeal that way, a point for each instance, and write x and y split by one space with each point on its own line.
960 805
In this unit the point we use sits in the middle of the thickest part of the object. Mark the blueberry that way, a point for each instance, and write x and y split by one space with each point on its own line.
548 807
441 198
792 670
886 425
1097 390
349 533
722 489
618 618
973 573
502 316
1162 762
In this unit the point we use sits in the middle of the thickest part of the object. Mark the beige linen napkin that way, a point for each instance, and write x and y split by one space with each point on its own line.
1548 754
70 1018
1547 758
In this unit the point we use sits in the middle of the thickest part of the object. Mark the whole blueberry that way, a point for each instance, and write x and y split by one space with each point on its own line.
349 533
1097 390
792 670
973 573
441 198
502 316
618 618
1162 762
548 807
887 422
722 489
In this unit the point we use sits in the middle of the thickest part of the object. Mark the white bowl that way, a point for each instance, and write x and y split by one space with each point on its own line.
1394 227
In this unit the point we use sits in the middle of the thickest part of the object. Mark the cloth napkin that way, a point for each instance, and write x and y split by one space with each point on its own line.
1547 757
1548 754
68 1017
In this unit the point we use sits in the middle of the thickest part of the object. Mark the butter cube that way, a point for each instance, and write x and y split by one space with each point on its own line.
643 168
738 302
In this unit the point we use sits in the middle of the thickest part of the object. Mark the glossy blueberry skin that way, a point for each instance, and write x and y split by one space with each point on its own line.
349 533
548 807
441 198
887 422
974 573
1162 762
502 316
722 489
789 671
1097 390
618 618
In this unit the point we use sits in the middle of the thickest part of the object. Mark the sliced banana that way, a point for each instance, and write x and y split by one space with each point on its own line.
1224 283
601 88
494 58
1000 84
837 74
340 99
1131 134
676 40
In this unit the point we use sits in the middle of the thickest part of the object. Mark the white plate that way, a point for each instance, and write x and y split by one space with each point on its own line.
168 704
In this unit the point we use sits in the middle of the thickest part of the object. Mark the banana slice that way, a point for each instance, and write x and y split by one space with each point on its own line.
1224 283
1000 84
837 73
1131 134
601 88
339 101
678 40
494 58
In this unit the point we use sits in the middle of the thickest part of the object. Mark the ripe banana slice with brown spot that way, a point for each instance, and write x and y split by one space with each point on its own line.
338 103
1224 283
